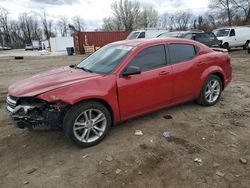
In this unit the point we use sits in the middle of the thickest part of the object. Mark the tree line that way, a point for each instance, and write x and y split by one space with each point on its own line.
35 26
130 15
127 15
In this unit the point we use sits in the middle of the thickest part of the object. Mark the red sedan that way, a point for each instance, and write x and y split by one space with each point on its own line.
119 81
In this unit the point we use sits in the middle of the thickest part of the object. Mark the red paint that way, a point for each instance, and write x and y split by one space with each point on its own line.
133 95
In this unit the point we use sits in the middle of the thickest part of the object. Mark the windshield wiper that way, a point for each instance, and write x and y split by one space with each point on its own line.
86 70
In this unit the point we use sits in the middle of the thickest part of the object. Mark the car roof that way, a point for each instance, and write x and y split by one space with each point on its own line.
140 42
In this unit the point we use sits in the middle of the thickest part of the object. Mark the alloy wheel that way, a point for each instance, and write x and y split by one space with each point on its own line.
212 91
90 125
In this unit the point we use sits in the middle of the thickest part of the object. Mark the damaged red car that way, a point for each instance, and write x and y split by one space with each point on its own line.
121 80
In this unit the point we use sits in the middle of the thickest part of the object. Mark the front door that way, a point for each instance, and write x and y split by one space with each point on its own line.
149 90
232 38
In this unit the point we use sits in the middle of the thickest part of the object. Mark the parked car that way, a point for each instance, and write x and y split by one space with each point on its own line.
173 34
28 47
233 36
145 33
208 39
120 81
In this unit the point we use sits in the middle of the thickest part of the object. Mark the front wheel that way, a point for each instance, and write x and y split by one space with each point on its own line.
211 91
87 123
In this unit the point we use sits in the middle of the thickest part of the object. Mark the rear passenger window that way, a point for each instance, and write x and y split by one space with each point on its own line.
181 52
150 58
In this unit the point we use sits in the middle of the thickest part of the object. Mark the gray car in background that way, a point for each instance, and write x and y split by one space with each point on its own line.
208 39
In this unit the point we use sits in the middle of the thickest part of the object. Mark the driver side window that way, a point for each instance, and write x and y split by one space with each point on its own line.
232 33
150 58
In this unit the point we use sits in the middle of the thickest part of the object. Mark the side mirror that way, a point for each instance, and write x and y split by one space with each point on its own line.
131 70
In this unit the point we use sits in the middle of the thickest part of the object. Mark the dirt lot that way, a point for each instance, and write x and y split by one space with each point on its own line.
219 135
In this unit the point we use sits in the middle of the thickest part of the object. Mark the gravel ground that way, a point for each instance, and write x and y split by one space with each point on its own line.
217 137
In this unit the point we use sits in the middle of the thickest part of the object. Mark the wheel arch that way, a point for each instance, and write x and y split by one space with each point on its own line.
101 101
211 70
220 75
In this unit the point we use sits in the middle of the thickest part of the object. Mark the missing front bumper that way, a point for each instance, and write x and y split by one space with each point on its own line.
37 117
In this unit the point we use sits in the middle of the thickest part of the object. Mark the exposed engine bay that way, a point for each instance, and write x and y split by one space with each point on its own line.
34 113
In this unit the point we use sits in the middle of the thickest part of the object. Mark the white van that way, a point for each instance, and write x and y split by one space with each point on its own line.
233 36
145 33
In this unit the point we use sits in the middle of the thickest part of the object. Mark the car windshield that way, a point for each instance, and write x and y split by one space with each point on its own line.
222 32
106 59
133 35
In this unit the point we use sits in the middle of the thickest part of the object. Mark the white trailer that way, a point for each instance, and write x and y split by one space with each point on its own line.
61 43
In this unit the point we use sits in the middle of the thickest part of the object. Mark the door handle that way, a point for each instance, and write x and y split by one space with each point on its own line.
164 73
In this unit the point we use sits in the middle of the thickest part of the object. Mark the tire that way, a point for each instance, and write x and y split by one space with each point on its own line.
226 46
245 47
206 99
82 128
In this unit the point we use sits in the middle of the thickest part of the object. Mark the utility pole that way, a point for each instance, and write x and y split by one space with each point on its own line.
228 14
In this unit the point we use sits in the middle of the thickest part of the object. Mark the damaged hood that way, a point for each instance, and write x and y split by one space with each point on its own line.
47 81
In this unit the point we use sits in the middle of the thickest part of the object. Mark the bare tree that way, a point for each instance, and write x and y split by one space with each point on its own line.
4 26
47 27
78 23
148 17
111 24
25 22
63 26
223 7
178 21
243 8
181 20
127 13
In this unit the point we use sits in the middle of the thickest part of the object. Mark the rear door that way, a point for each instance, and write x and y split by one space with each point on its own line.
182 58
149 90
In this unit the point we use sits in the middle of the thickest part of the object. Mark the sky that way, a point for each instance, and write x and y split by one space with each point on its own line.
93 11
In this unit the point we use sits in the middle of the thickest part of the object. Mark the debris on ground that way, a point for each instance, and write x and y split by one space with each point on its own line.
216 165
221 174
118 171
105 173
25 182
243 161
109 158
198 160
18 57
167 117
138 133
30 171
85 156
166 134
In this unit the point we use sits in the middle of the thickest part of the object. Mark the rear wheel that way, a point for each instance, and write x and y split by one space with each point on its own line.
245 47
211 91
87 123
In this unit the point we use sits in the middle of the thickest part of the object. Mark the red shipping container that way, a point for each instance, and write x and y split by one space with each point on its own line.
98 39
